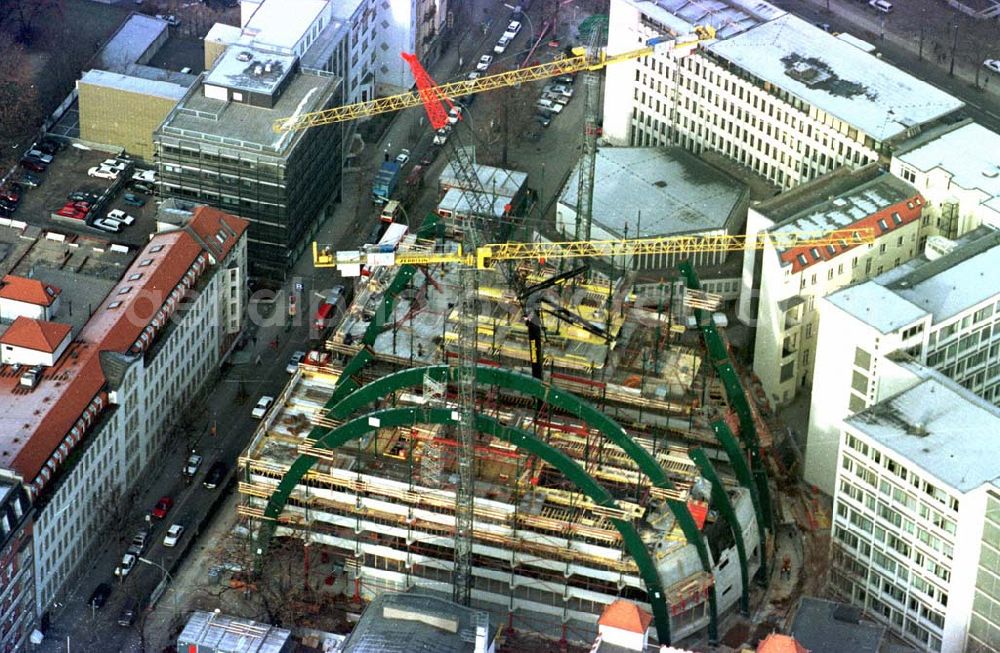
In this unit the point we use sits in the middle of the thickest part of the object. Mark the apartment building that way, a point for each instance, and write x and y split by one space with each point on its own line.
772 92
218 147
942 309
984 624
957 170
92 422
17 583
915 477
782 286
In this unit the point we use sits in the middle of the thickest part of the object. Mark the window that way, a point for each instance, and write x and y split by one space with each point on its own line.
859 382
125 290
115 304
135 277
862 358
156 248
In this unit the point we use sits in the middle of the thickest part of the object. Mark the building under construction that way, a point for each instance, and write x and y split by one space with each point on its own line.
615 475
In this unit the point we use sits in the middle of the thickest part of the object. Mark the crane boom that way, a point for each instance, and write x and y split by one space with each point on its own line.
485 256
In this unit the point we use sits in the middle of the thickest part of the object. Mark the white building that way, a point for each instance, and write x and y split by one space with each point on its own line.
916 473
773 93
30 342
146 350
781 286
959 174
21 296
654 192
943 313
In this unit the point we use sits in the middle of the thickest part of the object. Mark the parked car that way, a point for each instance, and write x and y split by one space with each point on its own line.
138 543
127 563
81 205
50 146
484 63
215 474
171 20
513 28
192 464
8 205
10 194
162 507
133 200
41 156
562 89
127 616
30 180
544 119
5 213
441 135
501 45
566 80
99 596
82 196
33 165
102 173
293 362
454 114
262 405
70 212
474 75
403 157
141 187
992 64
148 176
110 226
173 534
120 216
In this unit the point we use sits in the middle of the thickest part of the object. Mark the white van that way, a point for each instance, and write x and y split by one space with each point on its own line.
881 5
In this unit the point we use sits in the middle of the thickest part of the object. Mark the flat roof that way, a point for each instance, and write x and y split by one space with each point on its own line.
970 154
876 306
417 622
672 190
246 69
836 77
127 45
158 88
728 18
940 427
197 117
823 626
457 201
495 181
220 632
282 23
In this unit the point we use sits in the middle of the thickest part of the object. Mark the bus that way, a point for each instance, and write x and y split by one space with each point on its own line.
389 241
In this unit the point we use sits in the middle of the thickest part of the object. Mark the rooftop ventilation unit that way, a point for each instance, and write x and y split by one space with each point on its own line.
244 56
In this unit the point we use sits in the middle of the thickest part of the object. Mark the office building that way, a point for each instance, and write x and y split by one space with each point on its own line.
17 580
941 309
772 92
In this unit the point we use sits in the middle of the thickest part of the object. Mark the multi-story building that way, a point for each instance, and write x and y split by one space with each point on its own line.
786 283
956 169
218 147
941 310
17 582
916 475
81 430
773 93
984 624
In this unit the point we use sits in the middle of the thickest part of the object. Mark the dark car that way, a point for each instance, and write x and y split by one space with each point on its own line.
30 180
215 474
133 200
50 146
82 196
5 213
32 165
10 194
7 204
127 616
141 187
100 596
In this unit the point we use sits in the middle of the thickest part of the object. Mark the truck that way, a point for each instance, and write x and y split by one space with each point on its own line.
385 182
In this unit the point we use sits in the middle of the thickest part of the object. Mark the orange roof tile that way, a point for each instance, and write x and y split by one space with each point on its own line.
625 615
775 643
219 231
35 334
29 291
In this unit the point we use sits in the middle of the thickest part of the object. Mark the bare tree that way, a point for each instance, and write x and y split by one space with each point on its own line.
115 505
19 105
22 15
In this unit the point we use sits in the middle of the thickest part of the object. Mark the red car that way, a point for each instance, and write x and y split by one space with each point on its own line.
70 212
10 195
32 165
162 507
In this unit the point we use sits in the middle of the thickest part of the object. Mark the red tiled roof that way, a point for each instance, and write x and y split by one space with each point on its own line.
29 291
775 643
625 615
218 230
35 334
888 219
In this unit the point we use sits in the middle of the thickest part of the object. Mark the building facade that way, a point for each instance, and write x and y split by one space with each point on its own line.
943 313
910 507
772 92
787 283
984 625
17 582
160 333
218 147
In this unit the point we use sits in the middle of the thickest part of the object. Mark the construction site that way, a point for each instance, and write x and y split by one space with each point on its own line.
501 425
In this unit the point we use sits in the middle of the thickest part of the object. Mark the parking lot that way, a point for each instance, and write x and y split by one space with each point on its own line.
67 174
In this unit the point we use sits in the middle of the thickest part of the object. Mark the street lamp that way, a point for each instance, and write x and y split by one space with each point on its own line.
166 576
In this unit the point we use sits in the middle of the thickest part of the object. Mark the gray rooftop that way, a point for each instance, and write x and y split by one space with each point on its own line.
130 42
222 633
498 181
939 427
282 23
142 85
253 71
674 191
233 124
458 201
970 154
836 77
829 627
728 18
414 622
944 287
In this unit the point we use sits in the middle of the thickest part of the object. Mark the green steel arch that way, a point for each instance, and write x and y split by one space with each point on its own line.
522 440
528 385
